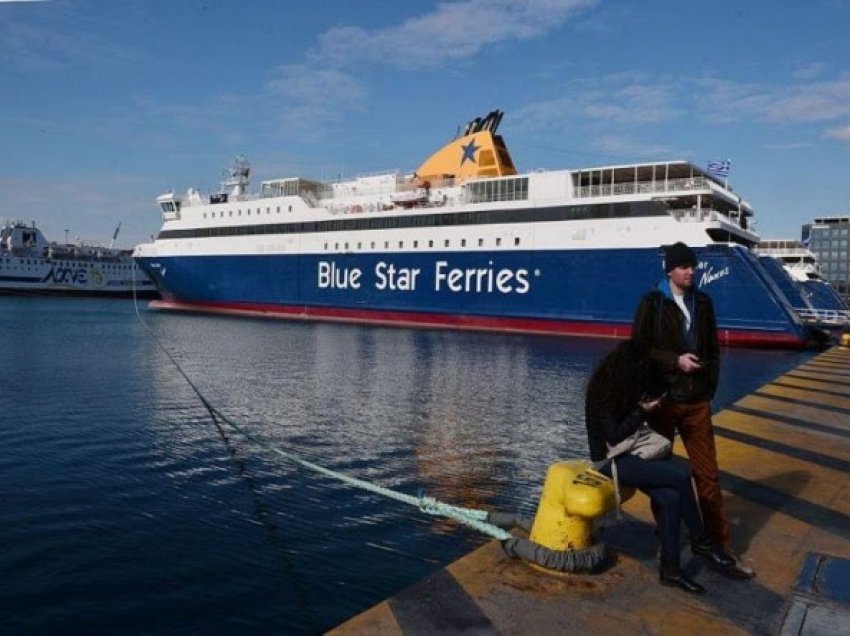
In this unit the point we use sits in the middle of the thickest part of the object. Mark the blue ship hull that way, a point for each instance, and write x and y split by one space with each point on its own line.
570 292
822 295
789 287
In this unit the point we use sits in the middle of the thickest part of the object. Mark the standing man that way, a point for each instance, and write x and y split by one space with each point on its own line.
675 322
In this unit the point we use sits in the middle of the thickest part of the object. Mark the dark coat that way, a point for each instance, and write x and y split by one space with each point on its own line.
610 429
659 328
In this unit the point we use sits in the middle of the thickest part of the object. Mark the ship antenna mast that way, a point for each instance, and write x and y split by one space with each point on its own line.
114 235
239 177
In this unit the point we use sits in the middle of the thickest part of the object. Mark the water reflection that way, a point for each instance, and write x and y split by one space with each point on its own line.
465 416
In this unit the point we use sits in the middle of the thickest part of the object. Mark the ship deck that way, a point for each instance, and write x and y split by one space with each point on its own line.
784 451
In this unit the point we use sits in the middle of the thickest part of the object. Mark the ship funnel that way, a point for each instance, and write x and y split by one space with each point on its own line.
478 152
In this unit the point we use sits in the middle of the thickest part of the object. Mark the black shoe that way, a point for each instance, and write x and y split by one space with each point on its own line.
715 555
673 577
739 570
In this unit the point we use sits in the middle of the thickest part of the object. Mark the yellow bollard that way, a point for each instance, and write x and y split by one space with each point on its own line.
845 341
572 498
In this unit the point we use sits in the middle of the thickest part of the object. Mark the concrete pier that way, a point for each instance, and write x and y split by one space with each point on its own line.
784 452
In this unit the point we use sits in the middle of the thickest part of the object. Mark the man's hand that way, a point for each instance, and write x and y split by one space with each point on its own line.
648 404
689 362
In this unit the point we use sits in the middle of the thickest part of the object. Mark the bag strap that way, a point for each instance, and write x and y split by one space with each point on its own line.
617 496
597 466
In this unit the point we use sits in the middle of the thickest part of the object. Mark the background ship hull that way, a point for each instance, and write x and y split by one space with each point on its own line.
145 294
35 286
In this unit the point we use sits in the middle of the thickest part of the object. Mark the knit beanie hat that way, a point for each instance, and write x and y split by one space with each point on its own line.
677 255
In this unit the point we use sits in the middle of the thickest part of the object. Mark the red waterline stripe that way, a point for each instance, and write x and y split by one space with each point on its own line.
728 337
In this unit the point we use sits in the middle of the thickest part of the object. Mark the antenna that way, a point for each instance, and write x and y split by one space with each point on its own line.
239 176
115 235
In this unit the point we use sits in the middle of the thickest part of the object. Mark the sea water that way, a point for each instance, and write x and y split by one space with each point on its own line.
125 508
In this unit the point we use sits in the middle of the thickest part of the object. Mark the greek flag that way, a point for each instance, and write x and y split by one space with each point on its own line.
720 168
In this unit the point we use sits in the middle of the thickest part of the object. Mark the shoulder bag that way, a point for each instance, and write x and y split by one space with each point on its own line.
645 443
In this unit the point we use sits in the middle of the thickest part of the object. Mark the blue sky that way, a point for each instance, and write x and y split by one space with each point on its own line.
105 104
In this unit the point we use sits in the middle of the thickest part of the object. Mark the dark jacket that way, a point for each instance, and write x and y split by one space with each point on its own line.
659 326
610 429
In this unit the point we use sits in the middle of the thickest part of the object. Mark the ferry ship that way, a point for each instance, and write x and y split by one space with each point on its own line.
467 242
813 298
32 265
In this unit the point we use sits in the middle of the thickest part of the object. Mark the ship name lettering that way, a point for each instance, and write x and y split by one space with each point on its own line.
332 276
390 277
67 275
710 276
481 279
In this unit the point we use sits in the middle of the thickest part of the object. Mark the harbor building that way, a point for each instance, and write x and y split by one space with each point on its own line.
829 239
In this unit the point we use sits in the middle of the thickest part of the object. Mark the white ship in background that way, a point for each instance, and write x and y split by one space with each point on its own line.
813 298
32 265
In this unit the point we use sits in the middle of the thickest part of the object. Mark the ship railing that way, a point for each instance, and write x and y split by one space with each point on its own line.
694 215
783 251
404 184
401 184
824 316
643 187
705 215
196 201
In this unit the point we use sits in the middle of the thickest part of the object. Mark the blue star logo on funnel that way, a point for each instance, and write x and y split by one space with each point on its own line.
469 152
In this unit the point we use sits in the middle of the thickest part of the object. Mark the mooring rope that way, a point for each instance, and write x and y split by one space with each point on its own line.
475 519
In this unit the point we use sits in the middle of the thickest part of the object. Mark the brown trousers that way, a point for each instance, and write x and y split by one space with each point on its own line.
693 421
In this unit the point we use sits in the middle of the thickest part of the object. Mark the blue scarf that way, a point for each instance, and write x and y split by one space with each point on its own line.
690 302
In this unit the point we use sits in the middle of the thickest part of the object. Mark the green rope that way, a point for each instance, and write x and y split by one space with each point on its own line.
470 517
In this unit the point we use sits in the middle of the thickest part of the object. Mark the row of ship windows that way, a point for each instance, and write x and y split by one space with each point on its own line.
446 243
41 261
239 212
